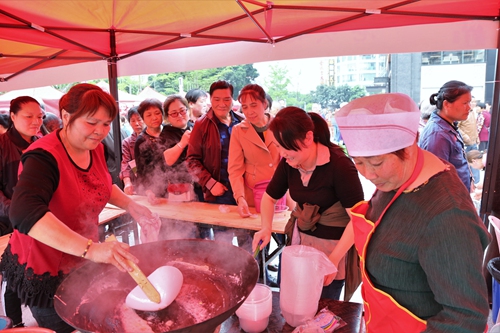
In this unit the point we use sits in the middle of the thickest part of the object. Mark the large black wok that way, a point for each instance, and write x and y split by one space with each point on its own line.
217 279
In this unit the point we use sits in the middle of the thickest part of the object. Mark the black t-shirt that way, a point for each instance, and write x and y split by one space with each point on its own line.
334 181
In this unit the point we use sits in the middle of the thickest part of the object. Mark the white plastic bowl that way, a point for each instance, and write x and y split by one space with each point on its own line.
167 280
255 311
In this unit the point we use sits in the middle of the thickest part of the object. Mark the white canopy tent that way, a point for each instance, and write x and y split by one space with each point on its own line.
48 96
149 92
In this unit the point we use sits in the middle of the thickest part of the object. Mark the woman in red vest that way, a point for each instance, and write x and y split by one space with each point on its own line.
26 117
63 185
419 238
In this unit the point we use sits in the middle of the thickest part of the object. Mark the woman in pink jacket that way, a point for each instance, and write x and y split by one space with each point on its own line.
253 156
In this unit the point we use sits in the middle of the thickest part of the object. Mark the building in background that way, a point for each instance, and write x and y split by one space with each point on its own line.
422 74
370 71
416 74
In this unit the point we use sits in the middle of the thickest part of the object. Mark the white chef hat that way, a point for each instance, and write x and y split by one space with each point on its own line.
378 124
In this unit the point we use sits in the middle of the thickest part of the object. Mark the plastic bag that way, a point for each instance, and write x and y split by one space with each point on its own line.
324 322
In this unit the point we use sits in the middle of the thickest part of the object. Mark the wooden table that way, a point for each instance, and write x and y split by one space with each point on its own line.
109 213
114 220
220 215
351 313
208 213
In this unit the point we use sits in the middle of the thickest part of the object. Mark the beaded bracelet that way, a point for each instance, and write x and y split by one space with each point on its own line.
87 248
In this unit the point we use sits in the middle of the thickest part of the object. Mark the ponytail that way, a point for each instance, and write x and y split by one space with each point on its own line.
321 130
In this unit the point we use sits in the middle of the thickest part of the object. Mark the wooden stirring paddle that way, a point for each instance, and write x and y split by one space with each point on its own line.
140 278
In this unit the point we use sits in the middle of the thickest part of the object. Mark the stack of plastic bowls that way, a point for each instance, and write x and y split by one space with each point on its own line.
255 311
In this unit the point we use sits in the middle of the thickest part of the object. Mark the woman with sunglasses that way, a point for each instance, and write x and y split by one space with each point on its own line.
175 136
176 133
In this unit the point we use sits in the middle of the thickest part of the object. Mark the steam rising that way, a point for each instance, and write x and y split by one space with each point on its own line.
217 277
156 174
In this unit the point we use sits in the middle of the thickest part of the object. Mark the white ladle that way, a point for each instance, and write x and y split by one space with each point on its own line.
167 280
155 292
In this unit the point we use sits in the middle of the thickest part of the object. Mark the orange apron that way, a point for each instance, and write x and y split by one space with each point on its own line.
382 313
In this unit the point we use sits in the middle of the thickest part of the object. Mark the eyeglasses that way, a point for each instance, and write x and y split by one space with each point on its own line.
181 112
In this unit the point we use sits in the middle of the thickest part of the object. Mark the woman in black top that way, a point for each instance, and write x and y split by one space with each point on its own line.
175 137
26 117
148 150
320 178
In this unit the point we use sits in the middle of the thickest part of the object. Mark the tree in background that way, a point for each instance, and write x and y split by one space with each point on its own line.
238 76
279 86
168 83
165 83
331 97
132 85
277 83
64 87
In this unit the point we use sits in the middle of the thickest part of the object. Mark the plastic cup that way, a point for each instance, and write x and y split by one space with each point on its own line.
255 311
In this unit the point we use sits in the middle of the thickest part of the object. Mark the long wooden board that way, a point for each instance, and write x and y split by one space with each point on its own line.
207 213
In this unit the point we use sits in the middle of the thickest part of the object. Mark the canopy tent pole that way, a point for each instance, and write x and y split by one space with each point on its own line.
490 202
116 128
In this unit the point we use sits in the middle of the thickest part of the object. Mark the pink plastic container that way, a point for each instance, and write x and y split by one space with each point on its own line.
259 190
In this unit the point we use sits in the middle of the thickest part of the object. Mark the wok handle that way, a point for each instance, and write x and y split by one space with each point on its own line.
140 278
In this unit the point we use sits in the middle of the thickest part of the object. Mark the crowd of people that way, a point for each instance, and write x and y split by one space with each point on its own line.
406 244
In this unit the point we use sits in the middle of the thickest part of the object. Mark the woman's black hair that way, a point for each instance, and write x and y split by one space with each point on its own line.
149 103
4 120
132 111
450 92
291 125
269 101
481 105
193 95
17 104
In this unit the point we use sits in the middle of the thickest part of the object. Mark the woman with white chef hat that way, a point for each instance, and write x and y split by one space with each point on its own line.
419 238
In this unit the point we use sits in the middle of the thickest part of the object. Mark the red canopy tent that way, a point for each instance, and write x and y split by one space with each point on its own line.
50 42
